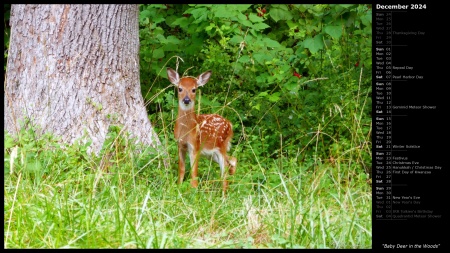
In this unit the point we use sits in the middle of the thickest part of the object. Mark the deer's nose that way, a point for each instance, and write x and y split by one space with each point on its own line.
186 100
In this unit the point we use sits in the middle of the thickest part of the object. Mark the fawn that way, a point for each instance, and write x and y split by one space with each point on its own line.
208 134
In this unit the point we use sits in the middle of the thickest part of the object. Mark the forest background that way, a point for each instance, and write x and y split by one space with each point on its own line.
295 81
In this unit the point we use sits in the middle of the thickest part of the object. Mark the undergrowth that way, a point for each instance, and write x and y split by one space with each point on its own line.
59 196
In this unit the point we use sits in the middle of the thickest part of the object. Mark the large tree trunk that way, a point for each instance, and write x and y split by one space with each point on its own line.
73 70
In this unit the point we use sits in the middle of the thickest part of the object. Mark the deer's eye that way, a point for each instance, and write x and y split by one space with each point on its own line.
180 89
193 90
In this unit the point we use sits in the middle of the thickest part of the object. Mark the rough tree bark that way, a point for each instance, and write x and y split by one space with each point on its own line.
73 70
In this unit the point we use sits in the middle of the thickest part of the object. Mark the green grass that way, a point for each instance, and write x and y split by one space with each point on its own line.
59 197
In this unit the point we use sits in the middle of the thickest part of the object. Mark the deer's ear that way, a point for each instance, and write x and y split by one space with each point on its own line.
203 78
173 76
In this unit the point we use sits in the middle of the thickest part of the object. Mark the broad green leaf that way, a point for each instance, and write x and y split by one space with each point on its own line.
199 14
211 26
263 94
171 47
289 51
157 20
182 22
144 14
271 79
274 97
280 14
240 7
238 66
195 46
259 26
241 17
144 21
261 58
260 79
158 30
367 19
173 39
236 39
313 44
290 85
318 8
158 53
246 23
159 6
222 11
244 59
291 24
254 18
170 20
285 68
257 106
271 43
334 31
281 6
161 38
346 6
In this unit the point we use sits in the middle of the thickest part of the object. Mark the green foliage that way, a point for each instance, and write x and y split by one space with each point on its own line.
282 70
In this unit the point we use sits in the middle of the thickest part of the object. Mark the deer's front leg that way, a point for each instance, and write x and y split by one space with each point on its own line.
193 157
181 162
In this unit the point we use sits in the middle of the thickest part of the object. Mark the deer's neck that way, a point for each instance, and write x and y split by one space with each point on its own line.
186 124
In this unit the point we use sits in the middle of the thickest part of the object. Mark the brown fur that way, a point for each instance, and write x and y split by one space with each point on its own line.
208 134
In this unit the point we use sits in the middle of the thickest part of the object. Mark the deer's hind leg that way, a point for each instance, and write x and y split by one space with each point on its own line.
232 163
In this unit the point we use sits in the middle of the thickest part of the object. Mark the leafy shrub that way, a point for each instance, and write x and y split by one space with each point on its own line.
287 74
